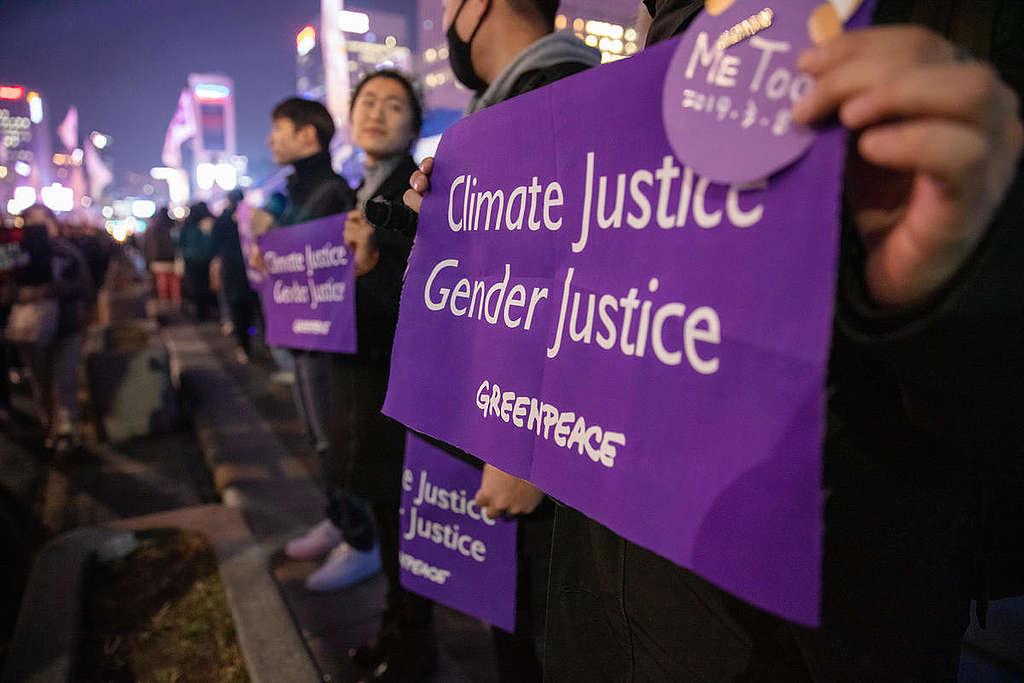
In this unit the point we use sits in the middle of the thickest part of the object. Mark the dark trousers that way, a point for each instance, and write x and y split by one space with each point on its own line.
352 516
406 611
519 654
197 276
5 370
243 316
618 612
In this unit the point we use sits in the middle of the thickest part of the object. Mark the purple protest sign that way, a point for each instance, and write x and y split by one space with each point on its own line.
309 296
583 311
449 551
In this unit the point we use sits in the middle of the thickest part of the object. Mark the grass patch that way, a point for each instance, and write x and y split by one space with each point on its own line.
160 615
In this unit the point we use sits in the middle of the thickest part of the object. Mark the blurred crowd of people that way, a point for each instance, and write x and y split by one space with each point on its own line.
199 261
48 280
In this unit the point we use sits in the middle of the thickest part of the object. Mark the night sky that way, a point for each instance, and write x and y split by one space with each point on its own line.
123 63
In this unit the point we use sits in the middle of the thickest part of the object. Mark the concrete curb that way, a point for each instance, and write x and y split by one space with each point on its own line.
251 472
45 645
248 462
45 642
273 649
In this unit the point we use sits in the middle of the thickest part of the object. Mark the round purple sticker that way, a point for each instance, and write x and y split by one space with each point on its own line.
733 79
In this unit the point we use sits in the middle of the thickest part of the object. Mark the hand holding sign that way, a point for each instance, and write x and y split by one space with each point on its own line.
256 260
502 494
420 183
359 239
939 143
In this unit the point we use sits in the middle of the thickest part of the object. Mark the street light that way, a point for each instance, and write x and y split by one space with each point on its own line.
99 140
206 174
143 208
24 197
227 176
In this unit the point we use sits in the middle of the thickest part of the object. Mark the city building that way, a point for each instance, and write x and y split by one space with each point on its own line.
206 117
25 160
441 90
372 40
607 25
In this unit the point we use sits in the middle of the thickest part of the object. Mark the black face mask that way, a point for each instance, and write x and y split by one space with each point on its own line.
459 53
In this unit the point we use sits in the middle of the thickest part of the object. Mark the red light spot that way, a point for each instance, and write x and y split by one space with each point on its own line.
11 92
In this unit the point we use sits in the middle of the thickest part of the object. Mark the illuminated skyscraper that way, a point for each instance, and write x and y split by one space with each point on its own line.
25 162
607 25
441 89
372 40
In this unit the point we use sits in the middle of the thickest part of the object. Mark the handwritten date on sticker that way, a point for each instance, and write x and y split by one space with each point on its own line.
726 103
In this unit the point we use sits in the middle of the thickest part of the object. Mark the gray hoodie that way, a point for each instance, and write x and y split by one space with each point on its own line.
552 49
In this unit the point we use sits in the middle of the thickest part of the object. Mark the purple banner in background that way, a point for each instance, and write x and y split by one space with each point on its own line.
243 216
584 311
309 296
449 551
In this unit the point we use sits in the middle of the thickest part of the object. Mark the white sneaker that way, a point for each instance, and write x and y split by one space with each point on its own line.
282 377
317 541
345 566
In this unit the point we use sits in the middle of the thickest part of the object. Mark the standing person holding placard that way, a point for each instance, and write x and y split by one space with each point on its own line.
366 447
300 136
501 49
924 441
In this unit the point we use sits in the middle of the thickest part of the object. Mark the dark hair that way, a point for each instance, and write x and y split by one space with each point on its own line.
161 218
44 209
544 9
198 212
304 113
410 91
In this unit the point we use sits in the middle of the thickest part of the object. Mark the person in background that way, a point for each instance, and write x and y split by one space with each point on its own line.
55 365
159 250
367 448
301 136
12 259
96 245
196 245
501 49
241 299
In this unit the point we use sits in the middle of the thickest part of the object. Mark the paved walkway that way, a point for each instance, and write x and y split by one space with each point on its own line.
247 449
255 444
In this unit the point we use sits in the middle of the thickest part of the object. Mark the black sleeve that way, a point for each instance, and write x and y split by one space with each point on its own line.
453 451
538 78
670 18
963 349
397 236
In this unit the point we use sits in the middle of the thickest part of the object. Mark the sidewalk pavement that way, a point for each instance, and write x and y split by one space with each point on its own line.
258 460
262 463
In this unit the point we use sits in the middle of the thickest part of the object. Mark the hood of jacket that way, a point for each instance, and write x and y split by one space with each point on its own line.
552 49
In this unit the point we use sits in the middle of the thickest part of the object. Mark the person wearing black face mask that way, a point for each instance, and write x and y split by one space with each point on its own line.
460 52
510 48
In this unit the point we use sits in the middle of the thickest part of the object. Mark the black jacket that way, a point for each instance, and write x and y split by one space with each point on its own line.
378 291
315 191
367 447
228 246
